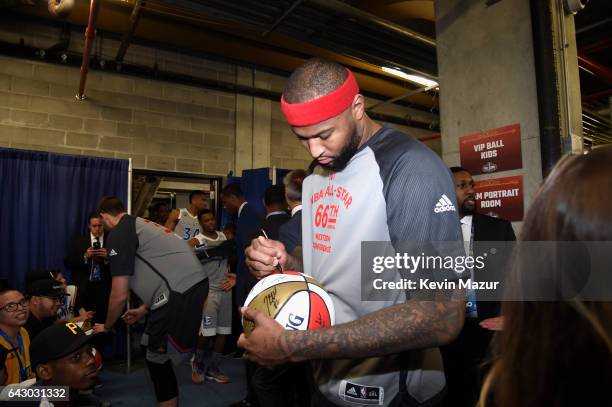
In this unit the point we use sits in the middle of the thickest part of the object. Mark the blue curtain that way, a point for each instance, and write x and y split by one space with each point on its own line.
253 184
280 175
45 201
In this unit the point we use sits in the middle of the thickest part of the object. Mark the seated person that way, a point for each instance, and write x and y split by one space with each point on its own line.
67 308
14 339
62 356
45 299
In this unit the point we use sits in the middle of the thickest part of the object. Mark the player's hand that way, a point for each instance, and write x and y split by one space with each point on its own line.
193 242
230 282
134 315
102 252
267 344
264 255
493 324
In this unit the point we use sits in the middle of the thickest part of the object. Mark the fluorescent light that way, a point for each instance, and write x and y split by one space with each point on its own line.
412 78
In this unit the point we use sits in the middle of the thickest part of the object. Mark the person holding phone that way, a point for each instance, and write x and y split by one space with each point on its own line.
87 259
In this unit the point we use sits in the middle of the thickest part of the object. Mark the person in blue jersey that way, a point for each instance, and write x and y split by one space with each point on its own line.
369 183
184 222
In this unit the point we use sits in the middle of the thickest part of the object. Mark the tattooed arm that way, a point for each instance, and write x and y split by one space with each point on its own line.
416 324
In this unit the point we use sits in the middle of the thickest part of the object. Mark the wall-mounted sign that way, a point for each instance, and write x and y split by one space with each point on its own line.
501 197
492 150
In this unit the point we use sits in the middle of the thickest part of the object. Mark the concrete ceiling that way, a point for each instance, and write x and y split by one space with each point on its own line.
365 35
280 35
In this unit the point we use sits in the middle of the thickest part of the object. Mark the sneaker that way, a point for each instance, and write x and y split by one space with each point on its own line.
197 374
215 374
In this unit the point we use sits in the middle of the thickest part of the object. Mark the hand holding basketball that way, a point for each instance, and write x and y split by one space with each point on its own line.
263 255
267 343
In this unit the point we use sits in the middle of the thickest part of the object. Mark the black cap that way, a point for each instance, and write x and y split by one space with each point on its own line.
56 341
46 288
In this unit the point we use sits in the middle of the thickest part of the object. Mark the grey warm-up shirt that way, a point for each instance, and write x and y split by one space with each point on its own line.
155 259
394 189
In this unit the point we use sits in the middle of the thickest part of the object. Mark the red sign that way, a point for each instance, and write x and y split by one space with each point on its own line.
492 150
501 197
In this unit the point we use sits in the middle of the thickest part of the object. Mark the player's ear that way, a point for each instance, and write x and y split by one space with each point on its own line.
44 372
358 107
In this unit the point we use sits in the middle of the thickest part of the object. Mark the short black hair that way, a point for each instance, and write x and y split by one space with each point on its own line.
204 212
111 205
275 195
196 193
232 189
314 78
157 205
458 169
93 215
293 184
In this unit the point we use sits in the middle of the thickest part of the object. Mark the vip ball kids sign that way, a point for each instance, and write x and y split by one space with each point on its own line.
491 151
501 197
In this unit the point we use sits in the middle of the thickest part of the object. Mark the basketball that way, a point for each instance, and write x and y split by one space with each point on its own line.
294 300
97 358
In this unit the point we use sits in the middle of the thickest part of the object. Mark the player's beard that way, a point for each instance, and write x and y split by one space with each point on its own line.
348 151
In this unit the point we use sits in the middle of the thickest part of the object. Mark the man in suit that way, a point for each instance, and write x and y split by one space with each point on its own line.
276 210
283 385
290 234
247 223
87 258
464 357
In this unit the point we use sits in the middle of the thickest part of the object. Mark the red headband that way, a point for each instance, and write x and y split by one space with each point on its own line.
323 108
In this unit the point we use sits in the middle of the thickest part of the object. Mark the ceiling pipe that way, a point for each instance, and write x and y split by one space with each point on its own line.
594 25
371 18
593 97
597 46
127 37
90 34
282 18
60 8
546 78
402 96
596 69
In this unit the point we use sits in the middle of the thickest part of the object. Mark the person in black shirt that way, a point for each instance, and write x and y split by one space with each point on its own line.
46 296
62 356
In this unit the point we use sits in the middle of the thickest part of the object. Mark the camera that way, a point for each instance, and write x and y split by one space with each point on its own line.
96 245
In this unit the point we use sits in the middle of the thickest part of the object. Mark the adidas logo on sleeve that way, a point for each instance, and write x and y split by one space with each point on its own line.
444 205
112 253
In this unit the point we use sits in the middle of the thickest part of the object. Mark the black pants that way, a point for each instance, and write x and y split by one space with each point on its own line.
281 386
464 364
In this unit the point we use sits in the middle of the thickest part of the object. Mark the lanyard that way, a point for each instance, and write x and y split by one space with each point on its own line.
23 371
